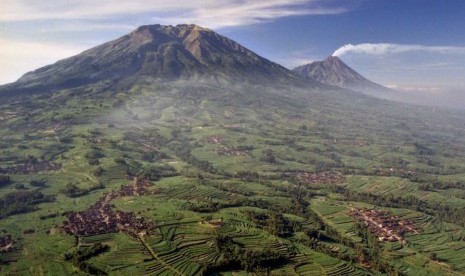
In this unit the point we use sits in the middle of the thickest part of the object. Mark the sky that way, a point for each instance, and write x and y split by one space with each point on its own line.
416 46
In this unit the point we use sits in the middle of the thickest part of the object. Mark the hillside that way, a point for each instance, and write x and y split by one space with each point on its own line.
168 163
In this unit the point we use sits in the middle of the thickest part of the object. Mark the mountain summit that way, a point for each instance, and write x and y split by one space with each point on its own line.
334 71
157 51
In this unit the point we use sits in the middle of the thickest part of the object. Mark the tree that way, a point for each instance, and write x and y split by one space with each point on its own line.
4 180
268 156
433 256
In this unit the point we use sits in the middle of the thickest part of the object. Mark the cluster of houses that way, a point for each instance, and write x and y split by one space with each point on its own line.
320 178
100 218
383 225
140 187
6 243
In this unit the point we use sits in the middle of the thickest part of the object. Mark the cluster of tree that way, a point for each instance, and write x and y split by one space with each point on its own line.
155 173
94 155
214 206
430 183
8 158
368 250
30 165
52 151
43 217
72 190
273 222
234 256
98 171
150 156
22 202
37 183
183 150
120 160
81 255
421 149
299 201
20 186
4 180
210 206
269 157
150 172
371 251
248 176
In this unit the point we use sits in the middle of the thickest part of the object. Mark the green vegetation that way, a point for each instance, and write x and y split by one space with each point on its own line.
21 202
79 257
71 190
4 180
244 180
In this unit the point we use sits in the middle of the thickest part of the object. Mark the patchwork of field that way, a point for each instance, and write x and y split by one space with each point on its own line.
184 186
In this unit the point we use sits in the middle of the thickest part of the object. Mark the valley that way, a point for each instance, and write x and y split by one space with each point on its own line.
184 176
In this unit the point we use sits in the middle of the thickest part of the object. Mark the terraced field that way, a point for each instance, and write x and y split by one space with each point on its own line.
254 184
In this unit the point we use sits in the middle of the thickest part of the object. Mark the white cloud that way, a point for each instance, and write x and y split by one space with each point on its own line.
212 14
415 88
86 27
387 48
18 57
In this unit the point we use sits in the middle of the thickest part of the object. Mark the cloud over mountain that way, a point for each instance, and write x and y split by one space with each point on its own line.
213 14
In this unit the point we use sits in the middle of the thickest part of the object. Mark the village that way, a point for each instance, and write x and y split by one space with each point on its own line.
383 225
100 218
137 188
320 178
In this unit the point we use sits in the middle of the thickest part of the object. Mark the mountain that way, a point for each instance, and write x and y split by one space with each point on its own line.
176 151
333 71
157 51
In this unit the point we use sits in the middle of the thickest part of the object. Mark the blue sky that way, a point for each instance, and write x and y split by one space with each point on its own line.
413 45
